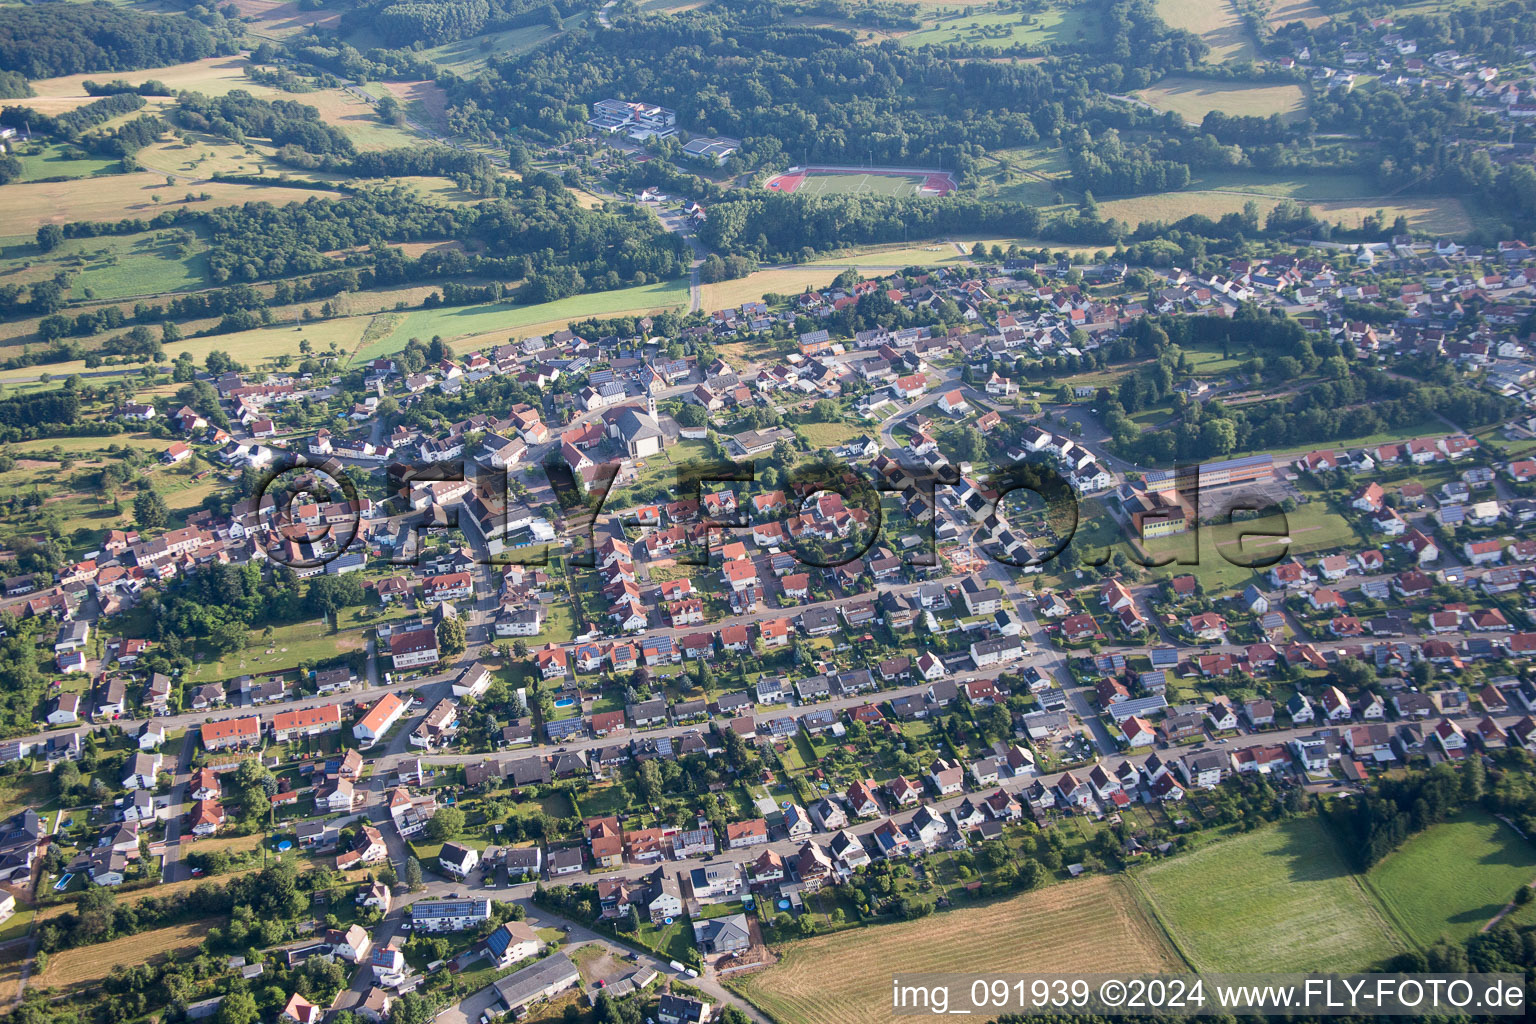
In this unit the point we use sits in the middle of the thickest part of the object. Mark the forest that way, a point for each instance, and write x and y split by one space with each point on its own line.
65 39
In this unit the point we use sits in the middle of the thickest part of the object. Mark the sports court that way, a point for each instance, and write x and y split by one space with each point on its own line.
877 181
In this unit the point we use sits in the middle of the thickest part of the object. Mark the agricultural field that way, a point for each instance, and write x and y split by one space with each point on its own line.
497 319
1092 924
213 76
276 19
1215 21
1057 26
1477 863
24 207
1436 215
1193 98
782 281
1280 898
1283 12
90 964
935 254
1322 187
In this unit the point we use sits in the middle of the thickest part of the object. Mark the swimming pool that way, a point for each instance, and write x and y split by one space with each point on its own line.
63 883
564 702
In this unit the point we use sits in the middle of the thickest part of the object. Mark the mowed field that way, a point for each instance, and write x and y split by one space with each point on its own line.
1193 98
276 19
89 964
1092 924
1215 21
24 207
783 281
1280 898
1476 863
1430 214
495 318
213 76
1283 12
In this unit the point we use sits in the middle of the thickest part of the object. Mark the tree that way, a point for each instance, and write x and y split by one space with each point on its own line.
410 1009
328 593
412 873
150 511
240 1008
49 236
648 781
451 639
446 823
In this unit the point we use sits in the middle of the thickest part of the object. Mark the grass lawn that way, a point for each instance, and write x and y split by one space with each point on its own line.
1280 898
1311 528
467 56
672 941
1476 863
139 265
830 435
1302 186
17 924
288 645
58 160
27 790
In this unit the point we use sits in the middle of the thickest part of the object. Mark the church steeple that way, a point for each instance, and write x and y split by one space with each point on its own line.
650 396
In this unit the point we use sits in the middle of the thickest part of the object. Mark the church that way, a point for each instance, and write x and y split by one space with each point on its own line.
637 431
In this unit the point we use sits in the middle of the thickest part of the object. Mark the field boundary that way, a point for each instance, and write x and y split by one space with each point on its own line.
1149 907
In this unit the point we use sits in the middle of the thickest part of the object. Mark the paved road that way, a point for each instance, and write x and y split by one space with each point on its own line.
679 224
172 868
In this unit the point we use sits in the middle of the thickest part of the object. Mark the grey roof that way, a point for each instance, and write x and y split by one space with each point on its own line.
635 426
553 972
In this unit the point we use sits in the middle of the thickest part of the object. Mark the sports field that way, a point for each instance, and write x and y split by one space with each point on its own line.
844 181
1092 924
1476 863
1280 898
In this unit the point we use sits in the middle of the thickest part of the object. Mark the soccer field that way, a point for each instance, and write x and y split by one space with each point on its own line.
849 181
861 184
